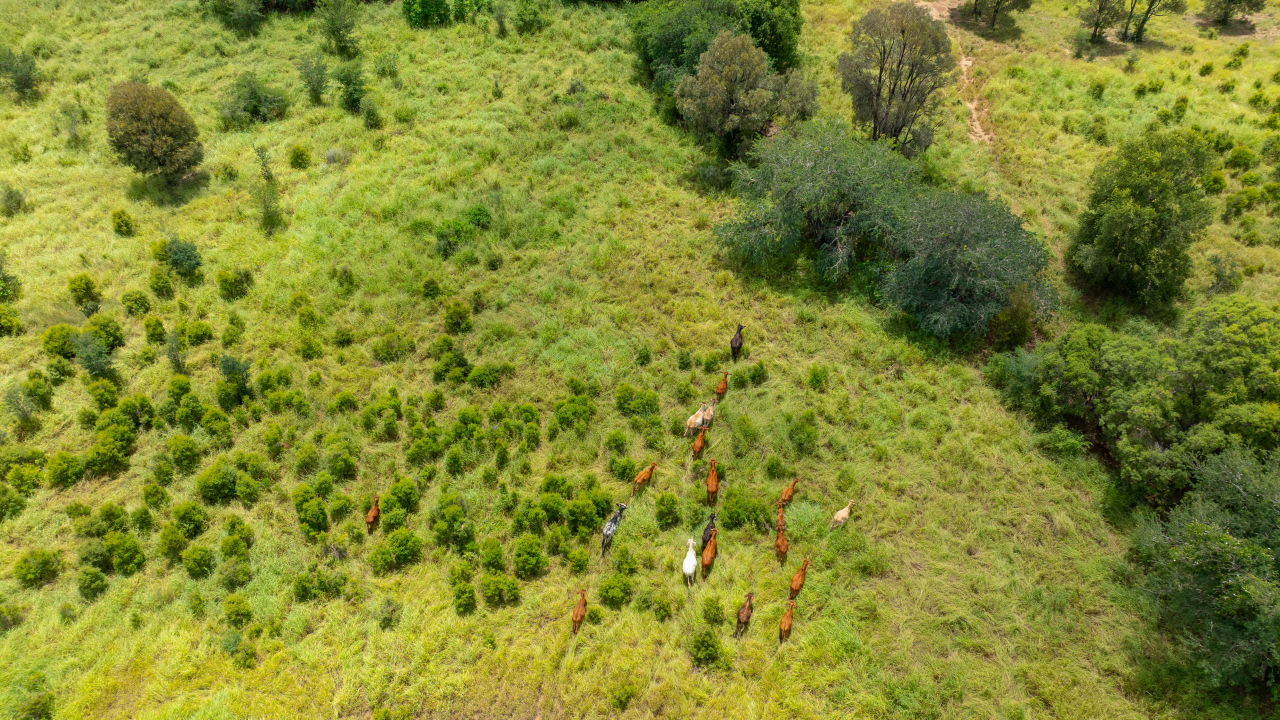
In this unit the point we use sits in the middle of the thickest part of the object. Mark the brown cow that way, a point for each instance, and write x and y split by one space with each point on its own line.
781 522
371 517
784 627
722 387
788 492
744 615
713 484
643 477
579 610
797 580
781 544
699 442
709 554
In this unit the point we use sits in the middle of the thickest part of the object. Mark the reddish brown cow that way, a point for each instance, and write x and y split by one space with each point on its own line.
371 517
709 553
788 492
723 386
784 627
713 484
744 615
643 477
699 442
579 610
781 544
797 580
781 522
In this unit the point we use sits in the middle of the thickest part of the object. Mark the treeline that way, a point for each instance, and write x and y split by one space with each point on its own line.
1192 420
1189 416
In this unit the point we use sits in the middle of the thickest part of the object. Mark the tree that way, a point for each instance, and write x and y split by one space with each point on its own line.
775 26
817 191
961 259
993 8
734 96
1139 12
1145 211
150 132
1098 15
421 13
901 58
338 23
1223 11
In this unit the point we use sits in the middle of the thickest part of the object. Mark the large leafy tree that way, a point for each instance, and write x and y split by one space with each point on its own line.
735 95
958 262
900 59
150 132
1145 210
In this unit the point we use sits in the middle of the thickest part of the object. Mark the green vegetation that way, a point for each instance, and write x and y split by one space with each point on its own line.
397 250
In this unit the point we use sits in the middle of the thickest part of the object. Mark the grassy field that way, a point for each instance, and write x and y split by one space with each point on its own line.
977 577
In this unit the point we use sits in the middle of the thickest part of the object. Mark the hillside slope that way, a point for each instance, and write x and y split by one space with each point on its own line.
976 577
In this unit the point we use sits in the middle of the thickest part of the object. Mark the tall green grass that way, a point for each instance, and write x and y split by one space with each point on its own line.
977 578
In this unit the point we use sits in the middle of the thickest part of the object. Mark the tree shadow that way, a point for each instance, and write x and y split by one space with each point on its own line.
1235 28
1006 28
158 192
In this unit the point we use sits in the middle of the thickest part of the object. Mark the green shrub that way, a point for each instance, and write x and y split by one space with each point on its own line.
740 509
350 78
615 590
122 223
491 556
315 77
84 293
705 649
63 470
198 560
171 542
666 510
135 303
161 283
499 590
10 325
450 524
236 609
150 132
185 453
630 401
299 157
370 114
392 347
57 341
92 583
713 611
424 13
249 101
190 518
338 20
1241 157
127 556
464 598
401 548
234 284
183 257
37 567
527 559
457 318
577 560
20 69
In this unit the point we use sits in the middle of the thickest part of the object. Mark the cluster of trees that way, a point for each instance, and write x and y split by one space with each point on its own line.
1192 420
953 261
726 67
1131 17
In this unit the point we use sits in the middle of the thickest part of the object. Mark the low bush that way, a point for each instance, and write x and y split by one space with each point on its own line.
198 561
234 284
499 590
150 132
249 101
615 590
528 561
37 567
